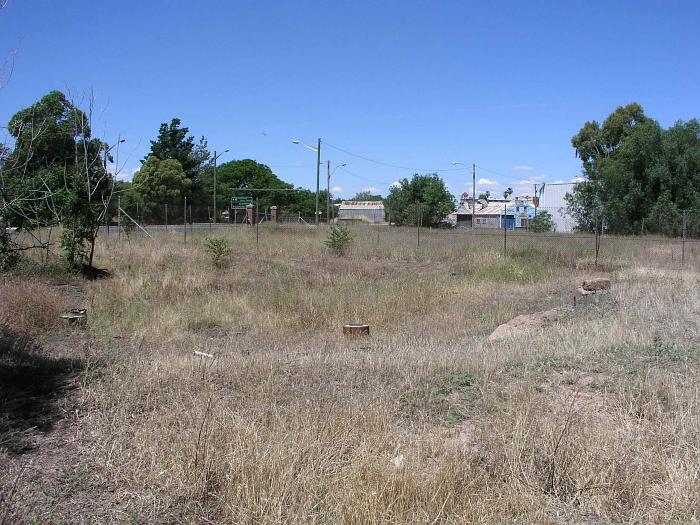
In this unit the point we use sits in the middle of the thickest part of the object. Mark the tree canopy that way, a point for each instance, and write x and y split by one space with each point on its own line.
637 172
55 174
173 142
423 196
160 182
366 195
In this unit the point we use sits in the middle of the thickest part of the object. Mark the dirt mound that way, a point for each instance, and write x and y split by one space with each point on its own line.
525 323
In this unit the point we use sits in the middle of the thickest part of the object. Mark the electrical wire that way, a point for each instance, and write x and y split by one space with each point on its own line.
342 168
382 163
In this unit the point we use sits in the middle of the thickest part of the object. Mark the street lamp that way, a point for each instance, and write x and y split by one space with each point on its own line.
110 148
216 157
328 190
473 188
318 170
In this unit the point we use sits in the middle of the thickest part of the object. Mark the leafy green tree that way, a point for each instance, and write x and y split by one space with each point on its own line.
55 175
423 196
508 193
173 142
542 222
160 182
635 171
233 178
366 196
485 196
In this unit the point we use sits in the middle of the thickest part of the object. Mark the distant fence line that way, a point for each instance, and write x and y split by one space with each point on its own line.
681 251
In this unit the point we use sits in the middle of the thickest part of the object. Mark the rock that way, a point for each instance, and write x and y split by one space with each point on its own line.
595 284
398 461
524 323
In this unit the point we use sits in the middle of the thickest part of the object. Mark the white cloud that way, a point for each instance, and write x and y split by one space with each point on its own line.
371 189
487 182
523 167
336 189
395 184
578 179
558 182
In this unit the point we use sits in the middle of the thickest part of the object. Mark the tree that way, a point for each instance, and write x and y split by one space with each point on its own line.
173 142
423 196
542 222
366 195
508 193
634 170
55 175
485 196
159 183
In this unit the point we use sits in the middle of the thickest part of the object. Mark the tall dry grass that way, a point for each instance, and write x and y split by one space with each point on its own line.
29 307
594 419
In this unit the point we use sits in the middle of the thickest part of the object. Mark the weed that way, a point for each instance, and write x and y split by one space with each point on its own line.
218 250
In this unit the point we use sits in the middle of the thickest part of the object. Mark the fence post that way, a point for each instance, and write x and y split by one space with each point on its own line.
184 220
683 242
166 217
119 218
257 224
598 233
418 219
505 231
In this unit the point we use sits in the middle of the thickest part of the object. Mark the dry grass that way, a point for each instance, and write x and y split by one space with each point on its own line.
29 307
594 419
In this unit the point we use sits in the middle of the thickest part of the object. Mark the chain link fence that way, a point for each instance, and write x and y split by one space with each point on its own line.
266 229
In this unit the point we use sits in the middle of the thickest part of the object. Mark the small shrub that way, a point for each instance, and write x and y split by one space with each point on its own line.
339 239
218 250
543 222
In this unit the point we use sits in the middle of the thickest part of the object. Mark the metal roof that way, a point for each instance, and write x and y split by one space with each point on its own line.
362 205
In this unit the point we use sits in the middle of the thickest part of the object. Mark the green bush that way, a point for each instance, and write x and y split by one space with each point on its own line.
218 250
542 222
338 240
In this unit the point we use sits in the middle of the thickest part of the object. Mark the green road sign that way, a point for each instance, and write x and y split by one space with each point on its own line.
241 201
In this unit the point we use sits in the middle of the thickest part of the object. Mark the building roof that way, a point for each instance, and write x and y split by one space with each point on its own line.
362 205
491 208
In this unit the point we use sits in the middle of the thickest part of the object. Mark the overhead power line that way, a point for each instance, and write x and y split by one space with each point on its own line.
388 164
363 178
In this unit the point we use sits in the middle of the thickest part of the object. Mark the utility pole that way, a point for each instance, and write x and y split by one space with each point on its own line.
318 178
328 196
215 157
473 194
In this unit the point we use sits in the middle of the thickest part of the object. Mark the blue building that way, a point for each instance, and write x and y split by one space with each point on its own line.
522 210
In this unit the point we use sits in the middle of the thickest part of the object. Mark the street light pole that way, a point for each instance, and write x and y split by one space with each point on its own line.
215 158
318 179
473 193
317 149
328 190
328 196
215 186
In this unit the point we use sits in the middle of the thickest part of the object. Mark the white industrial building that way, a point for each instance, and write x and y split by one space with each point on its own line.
552 199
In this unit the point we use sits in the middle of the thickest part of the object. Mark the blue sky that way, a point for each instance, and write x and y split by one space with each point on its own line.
414 84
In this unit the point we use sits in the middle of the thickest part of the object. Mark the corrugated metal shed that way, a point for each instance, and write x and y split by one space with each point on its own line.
371 211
